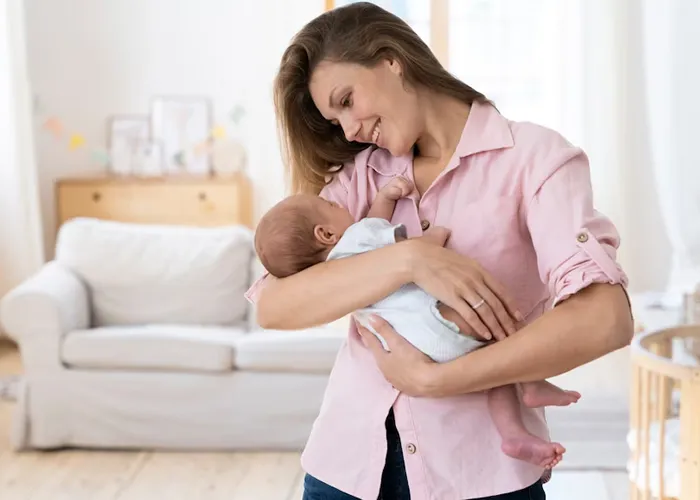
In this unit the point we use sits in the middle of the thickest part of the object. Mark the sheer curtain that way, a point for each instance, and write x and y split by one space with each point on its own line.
617 77
582 68
21 240
672 77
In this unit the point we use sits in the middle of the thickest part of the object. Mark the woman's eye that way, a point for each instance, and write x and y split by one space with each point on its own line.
346 101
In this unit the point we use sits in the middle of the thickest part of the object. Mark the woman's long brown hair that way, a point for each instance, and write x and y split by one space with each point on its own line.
360 33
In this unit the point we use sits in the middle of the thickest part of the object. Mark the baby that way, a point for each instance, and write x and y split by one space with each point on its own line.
304 230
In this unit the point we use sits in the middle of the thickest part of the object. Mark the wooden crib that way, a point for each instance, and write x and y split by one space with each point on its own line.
664 434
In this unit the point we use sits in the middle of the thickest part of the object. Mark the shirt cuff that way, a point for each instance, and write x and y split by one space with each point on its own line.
592 263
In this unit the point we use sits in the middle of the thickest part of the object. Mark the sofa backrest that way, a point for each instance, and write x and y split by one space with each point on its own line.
141 274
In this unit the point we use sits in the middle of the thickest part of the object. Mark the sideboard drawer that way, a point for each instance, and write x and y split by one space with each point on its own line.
207 202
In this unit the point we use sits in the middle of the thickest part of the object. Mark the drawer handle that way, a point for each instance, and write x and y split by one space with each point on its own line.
202 196
96 196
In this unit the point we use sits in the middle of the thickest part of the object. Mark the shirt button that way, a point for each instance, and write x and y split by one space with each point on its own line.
582 237
411 448
424 225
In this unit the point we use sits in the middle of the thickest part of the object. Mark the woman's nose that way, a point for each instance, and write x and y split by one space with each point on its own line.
350 127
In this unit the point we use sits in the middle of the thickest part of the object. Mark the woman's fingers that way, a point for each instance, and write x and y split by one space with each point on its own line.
370 340
504 297
461 305
395 342
497 309
481 306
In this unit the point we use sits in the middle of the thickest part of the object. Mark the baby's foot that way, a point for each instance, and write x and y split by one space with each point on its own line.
534 450
540 394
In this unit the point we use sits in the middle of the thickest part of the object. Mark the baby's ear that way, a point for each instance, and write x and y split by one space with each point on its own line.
325 234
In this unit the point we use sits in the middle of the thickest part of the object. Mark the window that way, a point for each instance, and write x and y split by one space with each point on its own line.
415 12
522 55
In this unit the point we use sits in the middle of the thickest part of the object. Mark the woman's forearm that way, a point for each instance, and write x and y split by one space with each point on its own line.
331 290
588 325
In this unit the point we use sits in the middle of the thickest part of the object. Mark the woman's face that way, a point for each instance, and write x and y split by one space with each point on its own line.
372 105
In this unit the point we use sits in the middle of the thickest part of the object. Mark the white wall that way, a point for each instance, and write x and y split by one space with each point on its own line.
92 58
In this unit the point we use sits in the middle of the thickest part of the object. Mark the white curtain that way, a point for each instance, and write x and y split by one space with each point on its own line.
568 65
672 64
21 240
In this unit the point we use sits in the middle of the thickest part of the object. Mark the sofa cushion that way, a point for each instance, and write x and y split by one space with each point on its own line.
152 347
308 351
141 274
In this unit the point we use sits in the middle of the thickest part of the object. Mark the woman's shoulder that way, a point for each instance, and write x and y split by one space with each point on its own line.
532 138
539 151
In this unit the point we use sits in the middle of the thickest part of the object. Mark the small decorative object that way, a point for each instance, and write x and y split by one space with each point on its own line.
228 157
126 134
180 124
149 159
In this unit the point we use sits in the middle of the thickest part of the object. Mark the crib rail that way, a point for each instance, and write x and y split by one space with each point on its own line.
655 376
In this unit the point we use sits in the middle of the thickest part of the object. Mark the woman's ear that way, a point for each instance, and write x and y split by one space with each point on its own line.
326 234
395 67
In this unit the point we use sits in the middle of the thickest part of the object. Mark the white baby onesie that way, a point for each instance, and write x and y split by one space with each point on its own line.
410 311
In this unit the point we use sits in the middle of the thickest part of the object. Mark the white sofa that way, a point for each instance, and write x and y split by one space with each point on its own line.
140 337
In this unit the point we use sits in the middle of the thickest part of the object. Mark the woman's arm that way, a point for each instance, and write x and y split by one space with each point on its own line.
575 247
588 325
331 290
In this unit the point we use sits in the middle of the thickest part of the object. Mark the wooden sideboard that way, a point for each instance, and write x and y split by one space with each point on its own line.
192 201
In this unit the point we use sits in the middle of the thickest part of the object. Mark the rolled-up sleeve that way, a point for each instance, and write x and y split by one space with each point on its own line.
335 191
576 245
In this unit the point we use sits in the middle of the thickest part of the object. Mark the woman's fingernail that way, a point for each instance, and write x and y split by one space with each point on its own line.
519 316
374 321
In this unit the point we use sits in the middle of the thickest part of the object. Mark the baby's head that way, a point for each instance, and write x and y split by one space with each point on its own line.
299 232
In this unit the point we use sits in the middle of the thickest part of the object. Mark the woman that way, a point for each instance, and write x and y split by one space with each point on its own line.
358 88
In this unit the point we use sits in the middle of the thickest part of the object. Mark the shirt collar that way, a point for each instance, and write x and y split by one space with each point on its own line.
486 130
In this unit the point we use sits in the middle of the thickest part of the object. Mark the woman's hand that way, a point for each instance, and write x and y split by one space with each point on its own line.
404 366
461 283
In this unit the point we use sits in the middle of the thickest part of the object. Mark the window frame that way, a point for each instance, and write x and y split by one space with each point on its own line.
439 28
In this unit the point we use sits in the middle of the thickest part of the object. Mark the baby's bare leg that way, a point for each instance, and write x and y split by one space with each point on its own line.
517 441
542 393
535 394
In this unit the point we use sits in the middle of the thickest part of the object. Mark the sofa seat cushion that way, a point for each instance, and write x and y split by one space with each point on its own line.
152 347
303 351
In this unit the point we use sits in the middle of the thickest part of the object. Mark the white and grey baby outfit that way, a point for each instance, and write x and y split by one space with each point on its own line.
412 312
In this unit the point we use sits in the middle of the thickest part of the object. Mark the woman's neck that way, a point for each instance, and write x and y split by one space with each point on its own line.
445 118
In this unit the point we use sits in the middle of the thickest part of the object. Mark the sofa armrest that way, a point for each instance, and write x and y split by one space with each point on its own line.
39 311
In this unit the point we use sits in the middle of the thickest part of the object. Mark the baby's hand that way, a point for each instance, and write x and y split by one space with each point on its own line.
436 235
397 188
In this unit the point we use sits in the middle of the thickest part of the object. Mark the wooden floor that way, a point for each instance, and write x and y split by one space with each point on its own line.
96 475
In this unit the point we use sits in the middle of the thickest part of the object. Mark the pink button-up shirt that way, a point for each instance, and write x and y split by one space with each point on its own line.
517 198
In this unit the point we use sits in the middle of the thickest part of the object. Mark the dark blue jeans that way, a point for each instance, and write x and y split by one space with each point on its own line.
394 482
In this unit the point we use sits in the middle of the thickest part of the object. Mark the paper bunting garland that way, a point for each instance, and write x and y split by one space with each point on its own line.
236 114
54 125
76 141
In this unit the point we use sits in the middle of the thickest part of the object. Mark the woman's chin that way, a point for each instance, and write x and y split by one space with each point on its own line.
398 150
